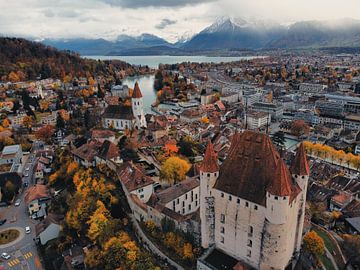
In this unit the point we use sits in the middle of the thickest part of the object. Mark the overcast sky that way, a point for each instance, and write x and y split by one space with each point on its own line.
169 19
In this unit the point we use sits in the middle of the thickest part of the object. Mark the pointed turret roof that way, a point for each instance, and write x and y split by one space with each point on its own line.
300 165
136 92
281 185
210 162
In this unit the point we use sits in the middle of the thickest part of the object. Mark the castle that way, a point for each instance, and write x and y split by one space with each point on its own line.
252 207
121 117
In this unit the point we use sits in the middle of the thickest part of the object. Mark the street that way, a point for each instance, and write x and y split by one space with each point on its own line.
23 250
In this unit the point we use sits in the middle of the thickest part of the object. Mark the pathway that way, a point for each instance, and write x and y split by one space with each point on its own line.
151 246
331 258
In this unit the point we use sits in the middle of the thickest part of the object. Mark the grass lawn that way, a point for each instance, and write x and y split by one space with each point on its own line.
8 236
327 263
331 246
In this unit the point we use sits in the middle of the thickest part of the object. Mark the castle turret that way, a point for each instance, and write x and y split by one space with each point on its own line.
209 172
138 107
300 172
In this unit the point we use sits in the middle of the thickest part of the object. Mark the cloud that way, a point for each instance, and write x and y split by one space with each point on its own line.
154 3
165 23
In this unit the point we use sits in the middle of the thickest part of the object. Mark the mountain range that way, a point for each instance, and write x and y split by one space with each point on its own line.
226 34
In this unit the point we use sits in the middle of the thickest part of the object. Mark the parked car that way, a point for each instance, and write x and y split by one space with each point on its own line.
2 221
27 230
17 203
5 256
26 174
3 204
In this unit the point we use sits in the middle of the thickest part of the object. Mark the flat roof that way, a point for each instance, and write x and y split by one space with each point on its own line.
10 149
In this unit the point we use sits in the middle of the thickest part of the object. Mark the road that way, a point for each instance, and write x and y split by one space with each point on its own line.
23 252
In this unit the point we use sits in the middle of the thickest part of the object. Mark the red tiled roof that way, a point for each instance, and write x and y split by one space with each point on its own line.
36 192
137 92
300 165
133 177
253 166
210 162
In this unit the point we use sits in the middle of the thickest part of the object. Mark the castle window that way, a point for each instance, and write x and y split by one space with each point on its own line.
284 198
303 177
238 201
222 218
222 195
247 204
248 253
276 198
174 205
196 196
186 196
183 210
177 201
222 240
250 231
255 207
189 207
183 204
249 243
222 230
196 203
230 197
141 196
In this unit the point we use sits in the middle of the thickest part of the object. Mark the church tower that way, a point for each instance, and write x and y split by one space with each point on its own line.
138 107
300 172
209 172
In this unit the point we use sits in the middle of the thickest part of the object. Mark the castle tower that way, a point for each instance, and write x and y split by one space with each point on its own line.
300 172
209 172
280 220
138 107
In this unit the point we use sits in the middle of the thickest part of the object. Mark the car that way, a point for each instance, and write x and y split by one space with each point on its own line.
26 169
2 222
17 203
27 230
5 256
26 174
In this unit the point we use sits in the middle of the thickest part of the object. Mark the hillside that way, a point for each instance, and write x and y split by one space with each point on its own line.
21 59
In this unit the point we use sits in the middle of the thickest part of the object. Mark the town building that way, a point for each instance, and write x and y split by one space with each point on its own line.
121 117
257 120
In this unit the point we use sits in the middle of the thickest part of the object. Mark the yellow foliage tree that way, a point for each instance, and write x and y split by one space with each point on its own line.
314 244
72 167
6 123
174 170
98 221
188 251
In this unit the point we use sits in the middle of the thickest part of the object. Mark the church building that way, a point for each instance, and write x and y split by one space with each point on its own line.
121 117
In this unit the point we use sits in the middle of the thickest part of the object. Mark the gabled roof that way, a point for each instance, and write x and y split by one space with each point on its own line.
118 112
177 190
136 92
300 165
210 162
133 177
251 168
36 192
108 150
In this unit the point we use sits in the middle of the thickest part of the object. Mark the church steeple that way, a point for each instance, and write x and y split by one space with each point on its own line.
210 162
136 92
300 165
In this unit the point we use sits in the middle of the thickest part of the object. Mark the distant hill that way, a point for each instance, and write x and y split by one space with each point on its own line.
30 60
320 34
124 44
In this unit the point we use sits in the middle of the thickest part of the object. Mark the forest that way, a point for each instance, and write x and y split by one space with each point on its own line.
22 60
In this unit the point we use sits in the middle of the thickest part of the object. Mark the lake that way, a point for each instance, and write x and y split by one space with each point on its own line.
146 84
153 61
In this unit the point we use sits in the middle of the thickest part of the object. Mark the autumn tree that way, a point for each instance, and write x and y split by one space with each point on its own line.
98 223
313 243
299 128
174 170
45 133
27 121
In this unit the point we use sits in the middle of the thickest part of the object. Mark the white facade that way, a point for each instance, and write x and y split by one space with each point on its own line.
144 193
138 111
186 203
118 124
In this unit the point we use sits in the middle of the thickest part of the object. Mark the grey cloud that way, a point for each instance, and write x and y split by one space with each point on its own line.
165 23
154 3
49 13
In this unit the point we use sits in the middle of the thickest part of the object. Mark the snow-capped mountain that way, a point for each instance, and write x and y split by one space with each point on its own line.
236 33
